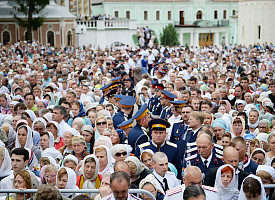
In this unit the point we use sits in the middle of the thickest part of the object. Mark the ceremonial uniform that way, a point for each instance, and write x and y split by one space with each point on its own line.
178 131
170 149
166 113
163 184
196 160
130 197
118 118
151 103
190 135
157 107
138 134
177 193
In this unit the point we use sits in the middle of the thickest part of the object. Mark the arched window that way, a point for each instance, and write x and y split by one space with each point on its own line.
50 38
69 38
6 37
199 15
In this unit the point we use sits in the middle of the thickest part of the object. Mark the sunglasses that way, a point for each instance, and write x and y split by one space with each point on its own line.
119 154
101 123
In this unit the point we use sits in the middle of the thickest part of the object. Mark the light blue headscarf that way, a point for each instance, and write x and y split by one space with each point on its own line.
220 123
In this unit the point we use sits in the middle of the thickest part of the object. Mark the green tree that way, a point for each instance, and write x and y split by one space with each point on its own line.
169 36
29 8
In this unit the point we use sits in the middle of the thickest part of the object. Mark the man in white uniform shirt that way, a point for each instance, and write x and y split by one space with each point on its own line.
192 176
164 179
59 113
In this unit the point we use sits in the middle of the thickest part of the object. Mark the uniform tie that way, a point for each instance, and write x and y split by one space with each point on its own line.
205 163
165 184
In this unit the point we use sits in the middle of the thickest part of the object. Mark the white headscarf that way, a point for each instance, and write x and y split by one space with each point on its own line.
5 169
51 140
39 119
88 182
108 167
73 131
255 125
231 189
263 194
267 169
137 163
29 142
71 184
53 153
31 114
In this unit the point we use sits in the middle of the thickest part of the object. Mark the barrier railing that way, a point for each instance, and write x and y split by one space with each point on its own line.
79 191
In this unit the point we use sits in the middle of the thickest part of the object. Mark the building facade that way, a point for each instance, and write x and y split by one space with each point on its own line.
57 29
198 22
256 21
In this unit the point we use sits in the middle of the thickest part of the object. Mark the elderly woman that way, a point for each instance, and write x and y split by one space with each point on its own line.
68 137
271 143
103 140
53 127
149 185
79 147
119 152
103 154
87 132
264 126
39 125
50 173
227 183
267 175
70 161
137 172
100 125
220 128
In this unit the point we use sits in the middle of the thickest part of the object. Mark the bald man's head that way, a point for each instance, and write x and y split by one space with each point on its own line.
231 156
192 176
122 166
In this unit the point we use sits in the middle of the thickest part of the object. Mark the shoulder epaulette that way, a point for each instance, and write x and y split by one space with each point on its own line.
192 150
191 157
189 144
144 144
174 190
219 156
171 144
209 188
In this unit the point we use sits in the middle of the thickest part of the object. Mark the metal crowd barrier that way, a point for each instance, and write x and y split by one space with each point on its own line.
79 191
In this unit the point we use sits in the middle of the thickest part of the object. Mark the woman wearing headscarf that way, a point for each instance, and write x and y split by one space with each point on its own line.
68 146
105 158
5 104
149 185
50 97
46 140
87 132
24 139
11 134
53 127
39 125
137 171
100 125
220 128
267 174
253 122
78 111
227 183
252 187
66 179
258 155
5 160
89 179
238 126
30 116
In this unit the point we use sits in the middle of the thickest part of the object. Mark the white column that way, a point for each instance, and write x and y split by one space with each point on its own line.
191 39
226 38
196 39
216 39
181 38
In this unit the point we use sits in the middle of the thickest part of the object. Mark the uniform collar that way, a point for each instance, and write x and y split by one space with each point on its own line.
208 159
160 178
157 145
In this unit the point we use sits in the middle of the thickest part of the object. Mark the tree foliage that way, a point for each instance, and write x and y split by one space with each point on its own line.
169 36
29 8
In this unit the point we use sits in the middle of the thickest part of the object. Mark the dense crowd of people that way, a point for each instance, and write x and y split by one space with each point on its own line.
179 122
146 37
95 17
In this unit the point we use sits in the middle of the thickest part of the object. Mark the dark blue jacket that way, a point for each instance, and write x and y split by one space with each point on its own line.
136 137
250 166
118 118
157 107
170 149
178 131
